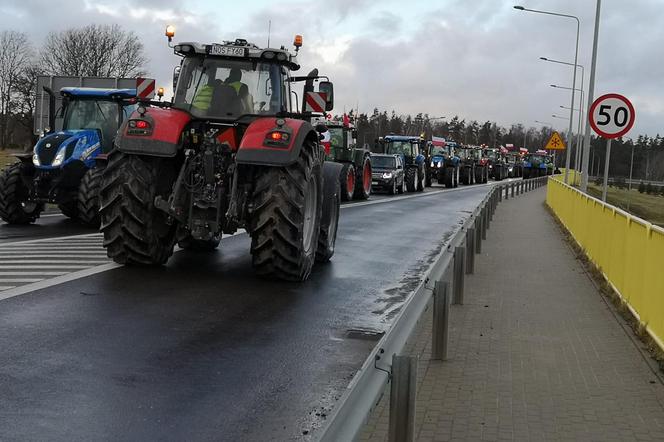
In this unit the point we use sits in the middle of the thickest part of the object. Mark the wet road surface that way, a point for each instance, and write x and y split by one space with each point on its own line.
203 349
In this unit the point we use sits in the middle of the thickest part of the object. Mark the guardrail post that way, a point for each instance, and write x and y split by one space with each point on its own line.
500 193
470 251
485 221
507 192
441 320
478 235
459 274
513 185
402 399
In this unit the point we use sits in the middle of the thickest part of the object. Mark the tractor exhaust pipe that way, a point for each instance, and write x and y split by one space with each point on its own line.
51 109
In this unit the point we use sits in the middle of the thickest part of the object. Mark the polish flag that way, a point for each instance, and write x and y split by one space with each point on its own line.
346 120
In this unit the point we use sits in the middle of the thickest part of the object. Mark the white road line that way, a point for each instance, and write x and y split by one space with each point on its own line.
86 263
32 273
7 287
37 267
49 249
57 280
49 215
19 280
32 241
54 253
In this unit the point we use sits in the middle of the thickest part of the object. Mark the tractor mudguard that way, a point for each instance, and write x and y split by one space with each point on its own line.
256 148
24 157
160 139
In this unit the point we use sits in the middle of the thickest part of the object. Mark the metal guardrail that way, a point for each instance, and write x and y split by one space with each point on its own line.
367 386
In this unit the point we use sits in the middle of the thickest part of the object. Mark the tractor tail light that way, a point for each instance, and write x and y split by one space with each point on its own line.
139 127
278 138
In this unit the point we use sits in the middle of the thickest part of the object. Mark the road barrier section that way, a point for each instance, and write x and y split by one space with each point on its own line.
436 291
627 250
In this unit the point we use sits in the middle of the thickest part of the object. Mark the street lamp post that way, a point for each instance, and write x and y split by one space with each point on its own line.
579 138
576 59
589 102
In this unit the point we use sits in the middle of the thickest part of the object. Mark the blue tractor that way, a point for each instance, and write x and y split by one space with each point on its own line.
535 165
411 149
445 163
65 166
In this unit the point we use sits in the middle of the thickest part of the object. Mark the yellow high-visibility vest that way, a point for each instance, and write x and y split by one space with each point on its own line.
203 98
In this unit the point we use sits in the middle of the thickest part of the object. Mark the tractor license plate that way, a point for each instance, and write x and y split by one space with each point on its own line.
229 51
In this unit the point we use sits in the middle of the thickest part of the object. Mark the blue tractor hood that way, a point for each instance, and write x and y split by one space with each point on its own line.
68 145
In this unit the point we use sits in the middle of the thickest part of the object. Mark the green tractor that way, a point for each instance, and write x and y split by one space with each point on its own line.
340 142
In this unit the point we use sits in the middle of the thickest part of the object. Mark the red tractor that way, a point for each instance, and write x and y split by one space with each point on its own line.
228 152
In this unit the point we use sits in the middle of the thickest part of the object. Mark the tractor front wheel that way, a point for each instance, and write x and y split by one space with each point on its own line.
88 197
284 222
135 231
411 179
15 208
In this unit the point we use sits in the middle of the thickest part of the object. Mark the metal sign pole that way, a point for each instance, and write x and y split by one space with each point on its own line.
606 169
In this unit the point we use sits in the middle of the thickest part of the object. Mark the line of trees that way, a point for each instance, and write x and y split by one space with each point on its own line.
93 50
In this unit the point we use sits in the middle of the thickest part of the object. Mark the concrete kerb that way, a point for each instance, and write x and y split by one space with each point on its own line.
367 386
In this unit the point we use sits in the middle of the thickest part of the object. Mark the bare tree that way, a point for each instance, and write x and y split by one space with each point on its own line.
15 57
93 51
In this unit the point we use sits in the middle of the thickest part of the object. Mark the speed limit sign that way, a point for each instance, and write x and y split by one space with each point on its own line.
612 116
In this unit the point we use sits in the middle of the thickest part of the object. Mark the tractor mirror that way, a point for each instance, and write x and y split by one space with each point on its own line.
328 89
176 75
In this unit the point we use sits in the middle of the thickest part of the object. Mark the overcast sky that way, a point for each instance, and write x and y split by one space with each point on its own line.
475 58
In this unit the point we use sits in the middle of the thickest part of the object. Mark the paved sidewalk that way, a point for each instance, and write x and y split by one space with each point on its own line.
535 353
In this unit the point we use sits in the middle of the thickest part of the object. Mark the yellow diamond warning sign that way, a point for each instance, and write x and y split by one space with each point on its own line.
555 142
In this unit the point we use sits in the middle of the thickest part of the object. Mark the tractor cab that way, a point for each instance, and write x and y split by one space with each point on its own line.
91 118
339 141
409 148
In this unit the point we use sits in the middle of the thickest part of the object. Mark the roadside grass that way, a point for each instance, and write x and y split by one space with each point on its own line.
648 207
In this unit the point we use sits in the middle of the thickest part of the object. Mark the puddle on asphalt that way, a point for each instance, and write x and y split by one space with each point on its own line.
390 303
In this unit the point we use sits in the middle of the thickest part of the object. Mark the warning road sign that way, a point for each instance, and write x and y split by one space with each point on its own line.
555 142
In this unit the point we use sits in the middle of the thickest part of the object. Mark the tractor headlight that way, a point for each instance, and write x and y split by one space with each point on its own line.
89 151
59 158
35 159
387 175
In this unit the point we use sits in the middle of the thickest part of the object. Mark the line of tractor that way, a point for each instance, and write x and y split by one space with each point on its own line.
236 148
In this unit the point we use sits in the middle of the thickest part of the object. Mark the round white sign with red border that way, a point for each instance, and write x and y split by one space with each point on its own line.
612 116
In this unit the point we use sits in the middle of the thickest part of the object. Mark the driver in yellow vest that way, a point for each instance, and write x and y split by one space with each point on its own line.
242 90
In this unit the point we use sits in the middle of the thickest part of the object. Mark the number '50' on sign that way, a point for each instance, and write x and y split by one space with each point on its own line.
612 116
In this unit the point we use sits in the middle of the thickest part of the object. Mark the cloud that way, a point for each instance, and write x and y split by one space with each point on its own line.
478 59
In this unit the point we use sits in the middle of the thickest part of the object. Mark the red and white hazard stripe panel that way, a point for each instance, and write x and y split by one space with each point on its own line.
438 141
145 88
315 102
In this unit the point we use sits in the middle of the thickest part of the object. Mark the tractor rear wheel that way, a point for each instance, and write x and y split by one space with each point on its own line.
14 205
427 180
88 197
135 231
363 180
421 177
284 222
411 179
347 180
455 173
327 235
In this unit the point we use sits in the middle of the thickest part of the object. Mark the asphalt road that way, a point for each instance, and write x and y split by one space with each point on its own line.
50 225
203 349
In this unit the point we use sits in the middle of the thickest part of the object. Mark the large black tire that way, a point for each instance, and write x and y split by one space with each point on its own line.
427 179
401 188
411 179
393 189
14 207
448 177
347 182
421 177
88 197
69 209
363 180
327 236
526 173
464 175
285 219
135 231
456 176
